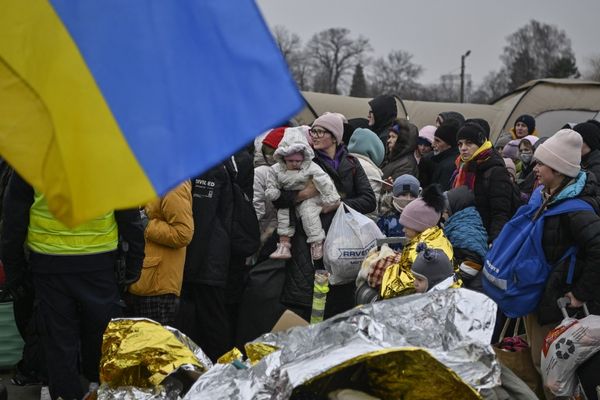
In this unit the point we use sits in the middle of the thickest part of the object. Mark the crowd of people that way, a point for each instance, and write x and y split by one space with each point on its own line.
190 255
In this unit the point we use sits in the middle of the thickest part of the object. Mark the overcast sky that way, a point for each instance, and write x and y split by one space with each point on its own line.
437 32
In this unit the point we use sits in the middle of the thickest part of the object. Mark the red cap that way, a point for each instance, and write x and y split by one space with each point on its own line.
274 137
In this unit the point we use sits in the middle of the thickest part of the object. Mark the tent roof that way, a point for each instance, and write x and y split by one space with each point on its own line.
543 95
535 97
550 81
420 113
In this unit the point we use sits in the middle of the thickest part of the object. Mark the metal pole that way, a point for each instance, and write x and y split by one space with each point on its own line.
462 78
462 75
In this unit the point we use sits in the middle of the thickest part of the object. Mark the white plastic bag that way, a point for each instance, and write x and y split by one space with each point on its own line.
565 348
350 237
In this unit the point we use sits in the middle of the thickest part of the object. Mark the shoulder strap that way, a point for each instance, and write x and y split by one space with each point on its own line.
571 252
571 205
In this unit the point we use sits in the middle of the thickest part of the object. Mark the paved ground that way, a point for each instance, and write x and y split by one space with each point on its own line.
18 392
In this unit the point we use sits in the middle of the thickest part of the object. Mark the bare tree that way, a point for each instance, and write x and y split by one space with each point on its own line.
397 74
494 85
534 51
290 46
593 68
289 43
334 54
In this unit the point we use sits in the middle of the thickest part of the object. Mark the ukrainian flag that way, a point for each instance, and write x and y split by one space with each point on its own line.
106 104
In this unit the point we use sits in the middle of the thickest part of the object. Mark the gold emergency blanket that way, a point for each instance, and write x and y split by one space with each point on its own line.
451 327
397 278
142 353
408 374
231 356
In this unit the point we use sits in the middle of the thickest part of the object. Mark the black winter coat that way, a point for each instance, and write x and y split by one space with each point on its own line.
245 171
581 228
401 160
444 167
425 169
527 180
353 186
385 113
208 255
591 162
493 194
244 177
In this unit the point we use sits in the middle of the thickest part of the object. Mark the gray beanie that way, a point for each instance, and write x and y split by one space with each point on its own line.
431 264
406 184
562 152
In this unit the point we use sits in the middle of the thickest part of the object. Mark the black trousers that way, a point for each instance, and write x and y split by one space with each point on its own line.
75 309
27 316
203 316
339 299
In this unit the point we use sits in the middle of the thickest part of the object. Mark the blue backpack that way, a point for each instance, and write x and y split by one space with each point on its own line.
515 269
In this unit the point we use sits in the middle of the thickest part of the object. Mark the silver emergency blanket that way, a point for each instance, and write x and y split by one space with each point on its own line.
189 343
455 326
191 372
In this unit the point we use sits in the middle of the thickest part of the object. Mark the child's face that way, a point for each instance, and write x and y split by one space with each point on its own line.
294 161
402 201
421 284
409 233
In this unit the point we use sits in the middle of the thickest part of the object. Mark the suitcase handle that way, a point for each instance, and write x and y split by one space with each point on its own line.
563 302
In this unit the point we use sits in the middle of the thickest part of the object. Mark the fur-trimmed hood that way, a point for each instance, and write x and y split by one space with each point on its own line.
294 141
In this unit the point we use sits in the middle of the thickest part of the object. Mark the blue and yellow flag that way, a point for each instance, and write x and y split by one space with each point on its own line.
106 104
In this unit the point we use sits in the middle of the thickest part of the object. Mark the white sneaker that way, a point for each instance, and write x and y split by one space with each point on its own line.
45 393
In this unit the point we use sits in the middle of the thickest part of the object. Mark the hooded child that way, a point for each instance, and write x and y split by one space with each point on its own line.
465 231
420 219
432 270
294 168
406 189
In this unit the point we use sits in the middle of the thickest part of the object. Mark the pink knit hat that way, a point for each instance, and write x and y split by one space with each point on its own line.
511 150
427 132
510 166
531 139
418 216
333 123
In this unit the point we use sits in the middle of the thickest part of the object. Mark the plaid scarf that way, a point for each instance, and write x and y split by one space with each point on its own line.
465 175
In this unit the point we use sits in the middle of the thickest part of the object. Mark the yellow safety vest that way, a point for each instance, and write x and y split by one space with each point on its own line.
46 235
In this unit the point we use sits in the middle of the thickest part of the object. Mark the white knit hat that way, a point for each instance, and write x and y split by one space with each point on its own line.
562 152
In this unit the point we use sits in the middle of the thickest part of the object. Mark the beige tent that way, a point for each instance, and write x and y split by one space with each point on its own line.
553 102
420 113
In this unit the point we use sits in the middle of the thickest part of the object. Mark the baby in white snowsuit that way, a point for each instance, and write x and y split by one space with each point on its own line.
294 168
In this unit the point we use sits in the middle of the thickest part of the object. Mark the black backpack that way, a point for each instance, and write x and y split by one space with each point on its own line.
245 231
